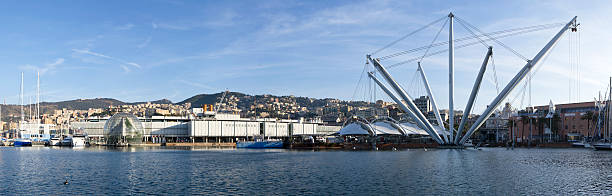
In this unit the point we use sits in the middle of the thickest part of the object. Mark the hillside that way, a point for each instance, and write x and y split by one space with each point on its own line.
79 104
201 99
243 102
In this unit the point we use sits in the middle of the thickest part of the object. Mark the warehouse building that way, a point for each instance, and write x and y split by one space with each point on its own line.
222 128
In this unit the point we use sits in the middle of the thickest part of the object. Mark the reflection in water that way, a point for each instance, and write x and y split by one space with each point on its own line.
215 170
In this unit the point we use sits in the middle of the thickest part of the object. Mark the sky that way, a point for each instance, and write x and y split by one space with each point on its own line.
162 49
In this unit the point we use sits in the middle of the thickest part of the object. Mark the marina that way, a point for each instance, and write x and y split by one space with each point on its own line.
362 97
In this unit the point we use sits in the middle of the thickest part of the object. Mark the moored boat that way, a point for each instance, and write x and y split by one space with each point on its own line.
22 142
79 141
260 144
602 145
67 141
55 141
578 144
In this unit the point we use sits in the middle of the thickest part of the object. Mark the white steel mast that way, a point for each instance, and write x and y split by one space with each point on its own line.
475 89
451 78
516 80
419 117
433 103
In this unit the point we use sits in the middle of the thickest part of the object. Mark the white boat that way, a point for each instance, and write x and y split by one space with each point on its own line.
468 143
602 145
55 141
581 144
79 141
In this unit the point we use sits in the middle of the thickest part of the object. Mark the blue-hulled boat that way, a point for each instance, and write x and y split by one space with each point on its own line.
259 144
22 142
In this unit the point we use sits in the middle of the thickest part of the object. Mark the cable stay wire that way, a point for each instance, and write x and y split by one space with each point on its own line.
363 72
495 40
578 65
408 35
467 38
473 34
494 74
486 46
434 40
531 74
460 46
569 61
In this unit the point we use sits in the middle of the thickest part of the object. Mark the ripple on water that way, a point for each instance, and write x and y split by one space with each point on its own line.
186 171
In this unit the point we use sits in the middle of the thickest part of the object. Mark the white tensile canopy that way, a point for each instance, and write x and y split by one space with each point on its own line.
413 129
353 129
385 128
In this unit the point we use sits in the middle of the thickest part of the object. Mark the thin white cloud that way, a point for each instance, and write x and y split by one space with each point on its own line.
123 62
194 84
125 27
47 68
145 43
125 68
222 19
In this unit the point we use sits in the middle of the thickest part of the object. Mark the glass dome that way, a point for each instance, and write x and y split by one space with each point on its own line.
123 129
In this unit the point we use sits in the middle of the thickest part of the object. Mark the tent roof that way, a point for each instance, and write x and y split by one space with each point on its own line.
353 129
413 129
385 128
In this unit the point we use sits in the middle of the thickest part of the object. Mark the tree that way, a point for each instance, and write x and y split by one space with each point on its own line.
510 125
556 123
588 116
524 121
541 121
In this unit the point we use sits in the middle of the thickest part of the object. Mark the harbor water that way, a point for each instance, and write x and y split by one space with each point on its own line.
214 171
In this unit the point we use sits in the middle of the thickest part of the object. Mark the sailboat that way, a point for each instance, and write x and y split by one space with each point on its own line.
604 123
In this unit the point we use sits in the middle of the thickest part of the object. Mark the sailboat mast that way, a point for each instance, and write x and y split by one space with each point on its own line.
609 107
1 125
30 107
38 97
21 99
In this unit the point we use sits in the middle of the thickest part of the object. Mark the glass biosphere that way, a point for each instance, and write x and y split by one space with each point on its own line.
123 129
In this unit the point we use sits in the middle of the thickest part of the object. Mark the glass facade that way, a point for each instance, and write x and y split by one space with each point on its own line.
123 129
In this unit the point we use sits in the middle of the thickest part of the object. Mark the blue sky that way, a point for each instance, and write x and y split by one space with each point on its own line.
150 50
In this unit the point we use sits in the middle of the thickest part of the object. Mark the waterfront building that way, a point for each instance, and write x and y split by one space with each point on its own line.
36 131
221 128
570 122
496 128
372 112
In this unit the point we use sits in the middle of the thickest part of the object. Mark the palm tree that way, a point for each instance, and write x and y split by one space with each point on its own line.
524 121
588 116
510 124
540 124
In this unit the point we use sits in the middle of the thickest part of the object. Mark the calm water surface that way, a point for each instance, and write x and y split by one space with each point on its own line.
186 171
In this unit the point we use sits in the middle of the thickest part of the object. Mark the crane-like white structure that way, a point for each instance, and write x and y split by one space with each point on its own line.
404 100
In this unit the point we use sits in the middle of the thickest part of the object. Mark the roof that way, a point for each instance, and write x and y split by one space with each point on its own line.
353 129
413 129
385 128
